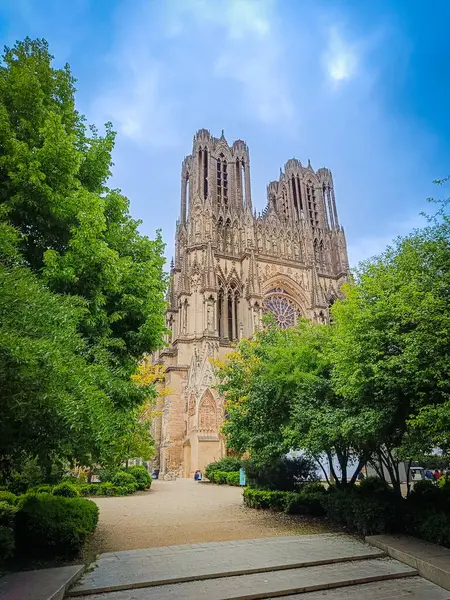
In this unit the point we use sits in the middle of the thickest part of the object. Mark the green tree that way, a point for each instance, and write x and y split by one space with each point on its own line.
68 243
392 344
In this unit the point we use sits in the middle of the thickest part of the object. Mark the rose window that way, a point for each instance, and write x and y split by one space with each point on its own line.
283 309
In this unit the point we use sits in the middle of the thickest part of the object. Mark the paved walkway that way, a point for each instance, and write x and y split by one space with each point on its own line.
187 512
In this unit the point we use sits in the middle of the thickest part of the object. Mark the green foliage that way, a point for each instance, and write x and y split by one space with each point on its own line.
27 474
81 290
122 478
89 489
54 525
8 497
228 464
369 509
7 543
308 502
142 476
282 474
219 477
7 524
233 478
66 489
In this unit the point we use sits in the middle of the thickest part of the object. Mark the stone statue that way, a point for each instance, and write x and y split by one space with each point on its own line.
209 316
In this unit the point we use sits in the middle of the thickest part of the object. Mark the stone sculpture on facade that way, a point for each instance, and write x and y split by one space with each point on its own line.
231 265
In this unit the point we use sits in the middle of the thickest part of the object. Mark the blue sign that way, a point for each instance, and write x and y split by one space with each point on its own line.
242 478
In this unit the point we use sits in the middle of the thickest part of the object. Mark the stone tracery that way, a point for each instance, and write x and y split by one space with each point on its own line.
283 307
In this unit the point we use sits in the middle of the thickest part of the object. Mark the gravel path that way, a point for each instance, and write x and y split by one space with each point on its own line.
187 512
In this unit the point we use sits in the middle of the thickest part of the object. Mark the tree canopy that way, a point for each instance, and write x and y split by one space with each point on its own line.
81 290
371 386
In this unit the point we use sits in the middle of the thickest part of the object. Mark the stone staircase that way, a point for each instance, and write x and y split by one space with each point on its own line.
327 567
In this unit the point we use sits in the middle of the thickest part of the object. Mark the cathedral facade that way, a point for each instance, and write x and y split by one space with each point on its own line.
232 265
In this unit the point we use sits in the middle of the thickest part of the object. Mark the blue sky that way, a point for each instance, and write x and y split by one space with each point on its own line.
360 87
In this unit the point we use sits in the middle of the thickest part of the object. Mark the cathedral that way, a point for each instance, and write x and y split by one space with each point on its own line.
231 266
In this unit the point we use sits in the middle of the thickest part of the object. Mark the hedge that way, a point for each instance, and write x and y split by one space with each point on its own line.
8 497
229 464
7 523
66 489
233 478
54 525
222 477
305 502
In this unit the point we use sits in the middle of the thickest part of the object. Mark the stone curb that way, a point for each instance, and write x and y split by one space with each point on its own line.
222 574
41 584
431 561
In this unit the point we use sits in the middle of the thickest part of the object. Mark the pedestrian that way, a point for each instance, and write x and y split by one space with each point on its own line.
437 474
429 474
198 475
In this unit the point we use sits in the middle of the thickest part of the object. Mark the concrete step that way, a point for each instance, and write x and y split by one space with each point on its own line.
272 583
411 588
176 564
42 584
432 561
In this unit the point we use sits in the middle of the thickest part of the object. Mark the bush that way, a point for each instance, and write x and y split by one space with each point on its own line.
122 478
66 489
7 543
299 503
233 478
229 464
219 477
369 509
284 474
8 497
54 525
89 489
142 476
28 476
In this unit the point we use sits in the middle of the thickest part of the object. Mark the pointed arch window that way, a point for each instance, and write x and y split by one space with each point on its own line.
312 205
222 180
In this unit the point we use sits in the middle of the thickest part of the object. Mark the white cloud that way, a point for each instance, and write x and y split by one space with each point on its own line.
249 50
136 102
342 57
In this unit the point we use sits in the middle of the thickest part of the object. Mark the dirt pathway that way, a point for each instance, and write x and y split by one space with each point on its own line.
187 512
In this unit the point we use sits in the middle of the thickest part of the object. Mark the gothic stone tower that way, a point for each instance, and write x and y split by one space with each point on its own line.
230 266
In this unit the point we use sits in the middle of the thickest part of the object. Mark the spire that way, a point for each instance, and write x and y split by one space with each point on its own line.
222 137
253 285
209 275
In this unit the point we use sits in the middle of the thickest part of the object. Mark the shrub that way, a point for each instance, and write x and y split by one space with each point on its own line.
54 525
29 475
373 485
233 478
7 523
298 503
142 477
370 509
122 478
219 477
107 489
89 489
66 489
228 464
284 474
8 497
7 544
